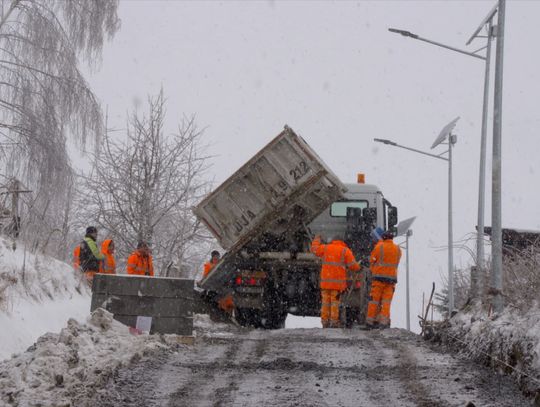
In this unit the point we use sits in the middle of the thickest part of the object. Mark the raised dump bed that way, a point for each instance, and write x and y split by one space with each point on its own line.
271 197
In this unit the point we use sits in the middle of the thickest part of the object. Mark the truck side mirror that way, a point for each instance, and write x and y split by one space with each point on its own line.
370 216
392 217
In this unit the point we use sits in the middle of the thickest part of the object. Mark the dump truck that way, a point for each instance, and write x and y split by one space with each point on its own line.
265 216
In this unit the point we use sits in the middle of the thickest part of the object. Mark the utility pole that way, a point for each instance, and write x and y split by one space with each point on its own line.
451 140
496 208
14 227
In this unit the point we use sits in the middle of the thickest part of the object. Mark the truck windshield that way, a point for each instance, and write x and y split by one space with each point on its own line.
339 209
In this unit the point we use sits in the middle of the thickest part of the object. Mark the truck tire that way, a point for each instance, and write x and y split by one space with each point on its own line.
272 315
274 320
248 317
274 312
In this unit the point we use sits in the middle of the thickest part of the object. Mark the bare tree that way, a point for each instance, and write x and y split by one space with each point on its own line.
44 99
143 188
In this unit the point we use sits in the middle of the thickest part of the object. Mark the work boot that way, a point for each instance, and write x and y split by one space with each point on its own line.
335 324
325 324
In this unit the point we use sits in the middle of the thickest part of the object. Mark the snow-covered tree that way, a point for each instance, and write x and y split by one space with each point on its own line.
143 189
45 101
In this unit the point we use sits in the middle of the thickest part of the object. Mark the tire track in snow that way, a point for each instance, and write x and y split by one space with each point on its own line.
204 375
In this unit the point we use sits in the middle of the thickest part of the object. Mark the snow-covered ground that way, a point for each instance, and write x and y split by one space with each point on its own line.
38 294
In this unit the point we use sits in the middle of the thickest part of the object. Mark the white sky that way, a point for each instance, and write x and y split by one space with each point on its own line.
333 72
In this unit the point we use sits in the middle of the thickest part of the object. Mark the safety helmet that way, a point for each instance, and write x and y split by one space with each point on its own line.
142 243
90 230
387 235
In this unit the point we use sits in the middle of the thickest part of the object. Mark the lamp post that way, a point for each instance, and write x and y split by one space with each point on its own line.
404 228
444 137
478 278
486 23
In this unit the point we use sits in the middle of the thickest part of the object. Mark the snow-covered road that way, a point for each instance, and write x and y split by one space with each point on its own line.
306 367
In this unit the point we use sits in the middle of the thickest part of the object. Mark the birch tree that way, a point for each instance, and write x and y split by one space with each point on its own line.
44 99
143 188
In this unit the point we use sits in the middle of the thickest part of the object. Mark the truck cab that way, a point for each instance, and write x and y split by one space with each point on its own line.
366 203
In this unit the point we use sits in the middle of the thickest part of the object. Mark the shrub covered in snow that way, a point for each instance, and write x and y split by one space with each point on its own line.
509 342
521 281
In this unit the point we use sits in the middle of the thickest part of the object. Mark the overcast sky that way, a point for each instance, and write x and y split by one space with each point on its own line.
333 72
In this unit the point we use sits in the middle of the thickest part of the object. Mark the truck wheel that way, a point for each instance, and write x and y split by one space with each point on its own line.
274 311
274 320
248 317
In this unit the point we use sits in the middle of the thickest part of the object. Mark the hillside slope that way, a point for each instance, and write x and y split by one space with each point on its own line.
38 294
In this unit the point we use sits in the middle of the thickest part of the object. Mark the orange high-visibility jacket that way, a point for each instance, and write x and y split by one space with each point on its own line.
108 265
140 265
385 260
76 257
208 266
336 257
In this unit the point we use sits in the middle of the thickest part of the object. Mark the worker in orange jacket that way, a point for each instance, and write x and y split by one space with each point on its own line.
209 265
225 303
77 258
140 261
108 265
384 264
336 259
89 256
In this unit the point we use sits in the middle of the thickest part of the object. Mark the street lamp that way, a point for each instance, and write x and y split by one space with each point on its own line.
487 22
404 229
445 137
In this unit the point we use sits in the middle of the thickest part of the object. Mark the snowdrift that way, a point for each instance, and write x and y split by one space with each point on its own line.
38 294
65 369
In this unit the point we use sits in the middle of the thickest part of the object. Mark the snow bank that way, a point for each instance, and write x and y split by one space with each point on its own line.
28 320
508 342
65 369
295 322
38 294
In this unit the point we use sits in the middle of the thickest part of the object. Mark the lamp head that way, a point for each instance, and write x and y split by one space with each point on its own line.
384 141
403 32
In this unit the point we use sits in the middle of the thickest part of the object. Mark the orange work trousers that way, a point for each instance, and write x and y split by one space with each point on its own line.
330 305
379 304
